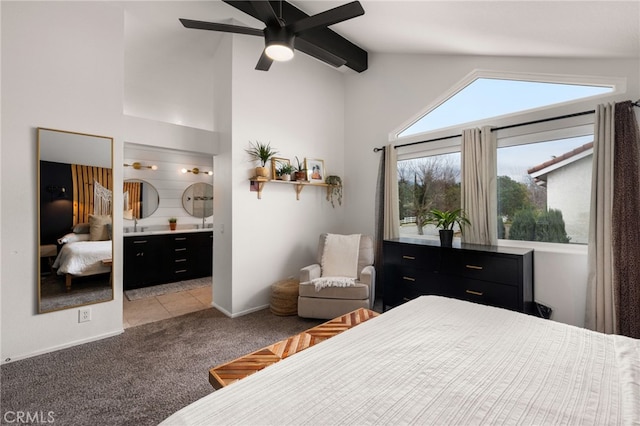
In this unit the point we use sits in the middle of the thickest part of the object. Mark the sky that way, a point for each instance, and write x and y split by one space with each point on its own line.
486 98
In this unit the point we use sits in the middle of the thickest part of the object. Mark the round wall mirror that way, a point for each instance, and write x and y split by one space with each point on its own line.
197 199
141 199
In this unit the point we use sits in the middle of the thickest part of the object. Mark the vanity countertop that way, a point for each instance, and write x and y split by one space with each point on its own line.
159 229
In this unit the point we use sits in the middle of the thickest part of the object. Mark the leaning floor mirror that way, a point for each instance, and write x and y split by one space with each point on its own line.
75 187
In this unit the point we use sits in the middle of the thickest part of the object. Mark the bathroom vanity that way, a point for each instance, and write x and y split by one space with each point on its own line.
158 257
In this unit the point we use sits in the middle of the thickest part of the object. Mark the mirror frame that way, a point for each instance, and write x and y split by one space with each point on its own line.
39 191
183 199
146 183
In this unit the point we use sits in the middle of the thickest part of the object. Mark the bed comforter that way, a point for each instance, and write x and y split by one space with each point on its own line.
440 361
83 258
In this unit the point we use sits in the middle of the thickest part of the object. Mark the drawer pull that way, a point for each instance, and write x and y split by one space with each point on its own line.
476 293
181 249
406 299
140 254
181 271
180 260
409 257
140 242
473 267
408 279
180 238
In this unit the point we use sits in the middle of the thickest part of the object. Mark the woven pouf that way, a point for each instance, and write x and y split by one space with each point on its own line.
284 297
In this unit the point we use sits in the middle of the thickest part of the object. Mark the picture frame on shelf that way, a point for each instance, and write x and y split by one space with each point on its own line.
275 163
315 170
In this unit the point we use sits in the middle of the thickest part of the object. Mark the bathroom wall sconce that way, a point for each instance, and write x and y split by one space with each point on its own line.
59 191
196 170
139 166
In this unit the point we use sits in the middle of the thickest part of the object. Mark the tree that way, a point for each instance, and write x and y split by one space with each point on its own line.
537 194
512 197
550 227
425 184
523 227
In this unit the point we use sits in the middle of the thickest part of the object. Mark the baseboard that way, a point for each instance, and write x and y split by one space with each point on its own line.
64 346
238 314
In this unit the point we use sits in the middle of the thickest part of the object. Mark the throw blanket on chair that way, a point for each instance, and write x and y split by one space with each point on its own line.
339 261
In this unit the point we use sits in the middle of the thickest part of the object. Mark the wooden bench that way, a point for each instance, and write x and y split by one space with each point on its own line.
225 374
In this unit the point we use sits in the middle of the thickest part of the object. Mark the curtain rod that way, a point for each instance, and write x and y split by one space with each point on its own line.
544 120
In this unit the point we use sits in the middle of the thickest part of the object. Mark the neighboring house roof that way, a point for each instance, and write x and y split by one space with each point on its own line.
540 171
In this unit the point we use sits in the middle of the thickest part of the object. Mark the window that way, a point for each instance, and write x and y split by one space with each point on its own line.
427 183
543 178
499 97
544 191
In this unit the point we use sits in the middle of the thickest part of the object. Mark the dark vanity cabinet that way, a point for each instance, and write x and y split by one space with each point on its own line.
496 276
141 265
164 258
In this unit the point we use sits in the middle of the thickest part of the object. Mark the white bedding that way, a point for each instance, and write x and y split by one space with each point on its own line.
440 361
83 258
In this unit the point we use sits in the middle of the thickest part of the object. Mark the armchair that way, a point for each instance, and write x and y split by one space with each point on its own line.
331 302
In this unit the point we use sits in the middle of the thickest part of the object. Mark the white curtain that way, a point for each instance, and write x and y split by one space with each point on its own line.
600 312
391 214
478 188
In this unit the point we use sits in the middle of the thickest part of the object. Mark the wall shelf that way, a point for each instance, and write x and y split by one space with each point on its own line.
297 185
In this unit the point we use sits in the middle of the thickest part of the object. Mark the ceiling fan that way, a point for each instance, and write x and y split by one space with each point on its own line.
281 38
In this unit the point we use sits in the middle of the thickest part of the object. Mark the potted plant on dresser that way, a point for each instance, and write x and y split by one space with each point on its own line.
445 220
261 152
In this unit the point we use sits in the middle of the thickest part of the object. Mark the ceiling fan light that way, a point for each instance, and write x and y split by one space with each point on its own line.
278 43
279 52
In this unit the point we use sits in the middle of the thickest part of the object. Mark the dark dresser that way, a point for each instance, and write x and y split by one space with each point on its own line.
496 276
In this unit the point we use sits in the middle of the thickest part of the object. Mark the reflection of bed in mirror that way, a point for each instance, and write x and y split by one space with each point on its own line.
75 205
86 251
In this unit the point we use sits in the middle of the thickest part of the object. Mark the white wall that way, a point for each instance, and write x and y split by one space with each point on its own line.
61 72
397 87
299 108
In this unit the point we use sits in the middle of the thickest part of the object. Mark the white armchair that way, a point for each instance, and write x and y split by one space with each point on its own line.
332 302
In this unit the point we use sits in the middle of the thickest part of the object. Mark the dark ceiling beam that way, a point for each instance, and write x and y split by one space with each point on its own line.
325 38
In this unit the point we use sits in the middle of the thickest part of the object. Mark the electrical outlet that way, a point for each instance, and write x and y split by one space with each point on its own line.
84 314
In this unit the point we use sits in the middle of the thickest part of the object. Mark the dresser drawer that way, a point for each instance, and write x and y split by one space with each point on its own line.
487 293
481 266
420 258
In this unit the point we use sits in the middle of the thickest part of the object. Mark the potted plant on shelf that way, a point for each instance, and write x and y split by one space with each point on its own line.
262 153
300 173
446 219
334 189
172 223
284 171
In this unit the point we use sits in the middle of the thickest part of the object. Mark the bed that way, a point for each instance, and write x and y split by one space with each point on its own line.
436 361
83 258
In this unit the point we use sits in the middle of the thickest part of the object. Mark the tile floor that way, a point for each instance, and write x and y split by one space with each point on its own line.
143 311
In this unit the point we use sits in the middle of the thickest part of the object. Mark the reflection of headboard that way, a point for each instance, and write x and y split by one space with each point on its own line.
135 195
83 178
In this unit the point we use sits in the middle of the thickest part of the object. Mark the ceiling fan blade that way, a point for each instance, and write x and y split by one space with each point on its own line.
329 17
266 13
318 53
215 26
264 63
